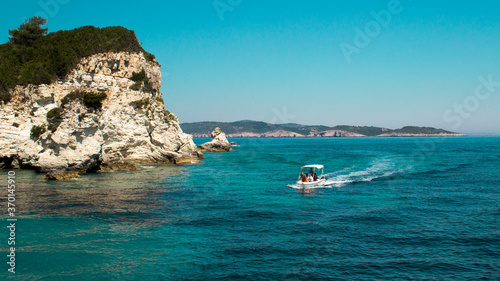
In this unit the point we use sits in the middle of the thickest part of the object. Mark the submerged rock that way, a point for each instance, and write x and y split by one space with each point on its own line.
125 166
96 117
186 160
61 175
218 143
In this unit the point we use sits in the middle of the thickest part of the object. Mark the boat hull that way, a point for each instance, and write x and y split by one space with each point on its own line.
320 182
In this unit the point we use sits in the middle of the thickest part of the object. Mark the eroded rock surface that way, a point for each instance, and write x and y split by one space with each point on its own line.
41 129
218 143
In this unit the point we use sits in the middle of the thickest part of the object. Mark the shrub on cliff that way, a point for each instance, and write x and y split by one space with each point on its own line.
90 99
141 82
140 104
37 59
53 126
94 99
169 116
37 131
139 76
54 113
54 118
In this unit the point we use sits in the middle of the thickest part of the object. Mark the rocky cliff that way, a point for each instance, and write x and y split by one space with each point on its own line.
108 112
219 142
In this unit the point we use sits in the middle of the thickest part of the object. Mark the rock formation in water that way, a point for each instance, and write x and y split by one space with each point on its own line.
218 143
106 114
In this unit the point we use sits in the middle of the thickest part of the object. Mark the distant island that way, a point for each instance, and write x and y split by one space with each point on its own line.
259 129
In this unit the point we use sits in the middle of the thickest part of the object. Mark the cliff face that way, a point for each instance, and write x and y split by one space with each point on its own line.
47 128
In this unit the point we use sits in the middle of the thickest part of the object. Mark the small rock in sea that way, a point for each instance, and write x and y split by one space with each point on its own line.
218 143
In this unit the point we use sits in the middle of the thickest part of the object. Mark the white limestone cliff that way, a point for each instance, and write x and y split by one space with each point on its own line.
131 125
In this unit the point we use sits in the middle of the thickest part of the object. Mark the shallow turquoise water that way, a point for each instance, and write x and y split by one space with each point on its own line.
407 208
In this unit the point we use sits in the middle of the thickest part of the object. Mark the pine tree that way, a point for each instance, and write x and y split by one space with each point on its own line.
28 32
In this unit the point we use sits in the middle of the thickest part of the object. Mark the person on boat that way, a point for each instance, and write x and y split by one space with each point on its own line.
313 175
310 178
303 177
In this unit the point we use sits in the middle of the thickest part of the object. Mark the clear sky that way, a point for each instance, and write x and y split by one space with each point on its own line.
381 63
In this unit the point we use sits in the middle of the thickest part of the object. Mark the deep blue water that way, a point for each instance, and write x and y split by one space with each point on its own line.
408 209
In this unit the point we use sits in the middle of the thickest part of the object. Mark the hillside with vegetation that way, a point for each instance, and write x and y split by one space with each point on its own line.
363 130
34 56
420 130
256 127
263 129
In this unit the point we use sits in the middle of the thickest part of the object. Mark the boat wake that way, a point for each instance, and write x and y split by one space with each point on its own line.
377 169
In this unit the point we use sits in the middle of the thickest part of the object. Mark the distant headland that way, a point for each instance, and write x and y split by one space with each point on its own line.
259 129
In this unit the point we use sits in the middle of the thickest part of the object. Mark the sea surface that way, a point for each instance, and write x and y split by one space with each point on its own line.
400 209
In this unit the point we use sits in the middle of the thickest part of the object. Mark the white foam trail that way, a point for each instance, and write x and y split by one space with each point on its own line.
339 171
378 168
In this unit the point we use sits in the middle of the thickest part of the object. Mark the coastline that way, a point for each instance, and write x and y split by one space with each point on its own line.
253 135
259 129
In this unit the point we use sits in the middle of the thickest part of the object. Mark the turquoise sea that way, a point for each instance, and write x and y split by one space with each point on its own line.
402 209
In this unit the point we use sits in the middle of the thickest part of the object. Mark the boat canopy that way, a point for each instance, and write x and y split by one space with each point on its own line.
312 166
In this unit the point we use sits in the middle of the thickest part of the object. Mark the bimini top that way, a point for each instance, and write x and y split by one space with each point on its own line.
312 166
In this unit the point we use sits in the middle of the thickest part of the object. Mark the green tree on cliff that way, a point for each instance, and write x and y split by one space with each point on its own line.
33 56
29 31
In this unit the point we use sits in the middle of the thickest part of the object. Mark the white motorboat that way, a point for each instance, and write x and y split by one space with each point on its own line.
318 170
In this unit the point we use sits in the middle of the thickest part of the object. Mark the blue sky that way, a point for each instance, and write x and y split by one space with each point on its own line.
311 62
